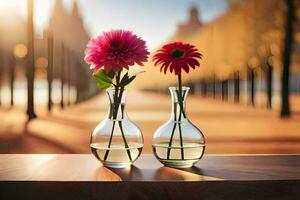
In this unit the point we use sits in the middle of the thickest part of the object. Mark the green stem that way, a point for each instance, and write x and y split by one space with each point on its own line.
171 140
121 127
110 139
115 113
125 141
181 141
172 134
117 103
180 99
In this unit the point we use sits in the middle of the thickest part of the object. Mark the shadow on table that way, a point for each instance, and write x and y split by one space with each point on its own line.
194 170
160 174
128 173
196 174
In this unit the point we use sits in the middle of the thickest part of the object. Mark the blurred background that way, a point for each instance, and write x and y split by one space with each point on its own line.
244 97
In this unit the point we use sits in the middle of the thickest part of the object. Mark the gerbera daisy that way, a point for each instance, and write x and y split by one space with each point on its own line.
108 54
176 56
115 50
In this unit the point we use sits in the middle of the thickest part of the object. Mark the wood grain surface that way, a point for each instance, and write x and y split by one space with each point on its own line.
81 176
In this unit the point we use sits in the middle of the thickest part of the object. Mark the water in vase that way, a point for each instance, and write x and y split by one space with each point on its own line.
178 156
117 155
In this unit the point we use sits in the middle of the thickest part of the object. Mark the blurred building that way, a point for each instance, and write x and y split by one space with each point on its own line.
69 34
193 23
248 36
69 28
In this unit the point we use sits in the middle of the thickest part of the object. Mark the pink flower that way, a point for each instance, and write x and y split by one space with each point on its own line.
114 50
176 56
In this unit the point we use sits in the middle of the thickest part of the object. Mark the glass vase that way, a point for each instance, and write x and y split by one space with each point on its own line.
117 142
178 143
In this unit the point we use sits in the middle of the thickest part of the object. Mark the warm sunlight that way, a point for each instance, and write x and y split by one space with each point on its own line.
150 99
12 5
4 5
19 8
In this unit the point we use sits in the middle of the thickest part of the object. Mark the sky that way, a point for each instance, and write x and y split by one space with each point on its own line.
153 20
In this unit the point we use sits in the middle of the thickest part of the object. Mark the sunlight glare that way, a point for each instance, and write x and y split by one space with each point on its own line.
12 5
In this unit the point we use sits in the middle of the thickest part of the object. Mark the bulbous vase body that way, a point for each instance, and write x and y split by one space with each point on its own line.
117 142
178 143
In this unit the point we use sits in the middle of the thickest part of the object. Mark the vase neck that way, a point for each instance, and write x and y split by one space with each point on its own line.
117 100
178 102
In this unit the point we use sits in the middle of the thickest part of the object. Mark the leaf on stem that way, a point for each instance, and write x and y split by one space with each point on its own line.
103 79
126 80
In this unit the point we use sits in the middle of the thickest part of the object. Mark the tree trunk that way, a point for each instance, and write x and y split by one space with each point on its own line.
62 76
12 79
285 108
30 63
50 69
204 88
69 77
214 86
251 79
192 88
236 87
225 90
222 91
269 79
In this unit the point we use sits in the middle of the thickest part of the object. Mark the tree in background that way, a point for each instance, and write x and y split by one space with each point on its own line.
285 107
30 63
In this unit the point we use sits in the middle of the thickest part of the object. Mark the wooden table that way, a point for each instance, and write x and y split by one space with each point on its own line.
81 176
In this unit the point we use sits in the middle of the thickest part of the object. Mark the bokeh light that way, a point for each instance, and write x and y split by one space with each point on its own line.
20 51
41 62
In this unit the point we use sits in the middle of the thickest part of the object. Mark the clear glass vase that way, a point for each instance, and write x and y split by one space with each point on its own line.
178 143
117 142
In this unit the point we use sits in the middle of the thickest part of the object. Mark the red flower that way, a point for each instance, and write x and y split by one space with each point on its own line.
115 50
177 56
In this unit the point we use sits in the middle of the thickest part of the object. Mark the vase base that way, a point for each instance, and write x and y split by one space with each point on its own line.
116 165
177 156
179 164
